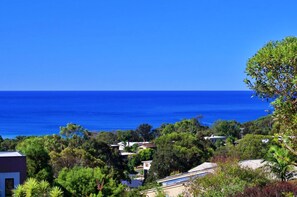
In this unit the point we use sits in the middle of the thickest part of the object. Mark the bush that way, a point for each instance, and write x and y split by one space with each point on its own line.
277 189
228 179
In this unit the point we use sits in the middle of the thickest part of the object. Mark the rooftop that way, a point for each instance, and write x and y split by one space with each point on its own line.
204 166
127 153
253 163
149 161
10 154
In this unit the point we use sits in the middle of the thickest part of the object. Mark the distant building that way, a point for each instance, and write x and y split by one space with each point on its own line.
146 167
147 164
122 145
214 138
12 171
204 166
147 145
126 155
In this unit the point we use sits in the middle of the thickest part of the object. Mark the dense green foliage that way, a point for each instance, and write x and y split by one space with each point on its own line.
80 181
261 126
142 155
37 158
253 146
229 129
34 188
228 180
272 74
189 126
279 189
280 161
82 163
177 152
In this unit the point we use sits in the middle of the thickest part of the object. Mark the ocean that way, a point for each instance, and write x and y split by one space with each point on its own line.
43 112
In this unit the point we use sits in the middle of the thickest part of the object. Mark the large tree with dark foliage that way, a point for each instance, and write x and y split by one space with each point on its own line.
177 152
144 131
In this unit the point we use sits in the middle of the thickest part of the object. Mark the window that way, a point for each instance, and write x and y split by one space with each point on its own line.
9 186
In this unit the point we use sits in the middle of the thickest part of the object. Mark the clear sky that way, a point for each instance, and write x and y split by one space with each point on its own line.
136 44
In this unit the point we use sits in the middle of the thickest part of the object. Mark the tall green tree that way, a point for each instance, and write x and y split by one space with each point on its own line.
177 152
111 157
71 157
189 126
226 128
144 132
261 126
107 137
253 146
37 158
75 134
272 74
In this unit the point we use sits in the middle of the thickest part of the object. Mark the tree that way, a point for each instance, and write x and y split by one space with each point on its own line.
127 136
253 146
71 130
226 128
107 137
111 157
10 144
144 132
280 162
189 125
71 157
54 143
74 134
261 126
34 188
142 155
177 152
37 158
80 181
272 74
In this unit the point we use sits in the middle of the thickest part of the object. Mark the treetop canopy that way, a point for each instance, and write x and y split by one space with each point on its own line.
272 71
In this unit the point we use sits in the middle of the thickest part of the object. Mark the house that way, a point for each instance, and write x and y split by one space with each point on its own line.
126 155
214 138
147 145
147 165
122 145
175 185
204 166
12 171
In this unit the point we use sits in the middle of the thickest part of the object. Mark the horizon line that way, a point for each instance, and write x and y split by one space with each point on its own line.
117 90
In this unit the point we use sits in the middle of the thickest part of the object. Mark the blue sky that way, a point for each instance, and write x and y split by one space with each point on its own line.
135 45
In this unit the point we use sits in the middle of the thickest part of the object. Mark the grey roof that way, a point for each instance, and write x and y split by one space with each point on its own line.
253 163
204 166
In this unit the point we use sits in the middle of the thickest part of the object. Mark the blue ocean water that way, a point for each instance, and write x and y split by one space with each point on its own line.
42 112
